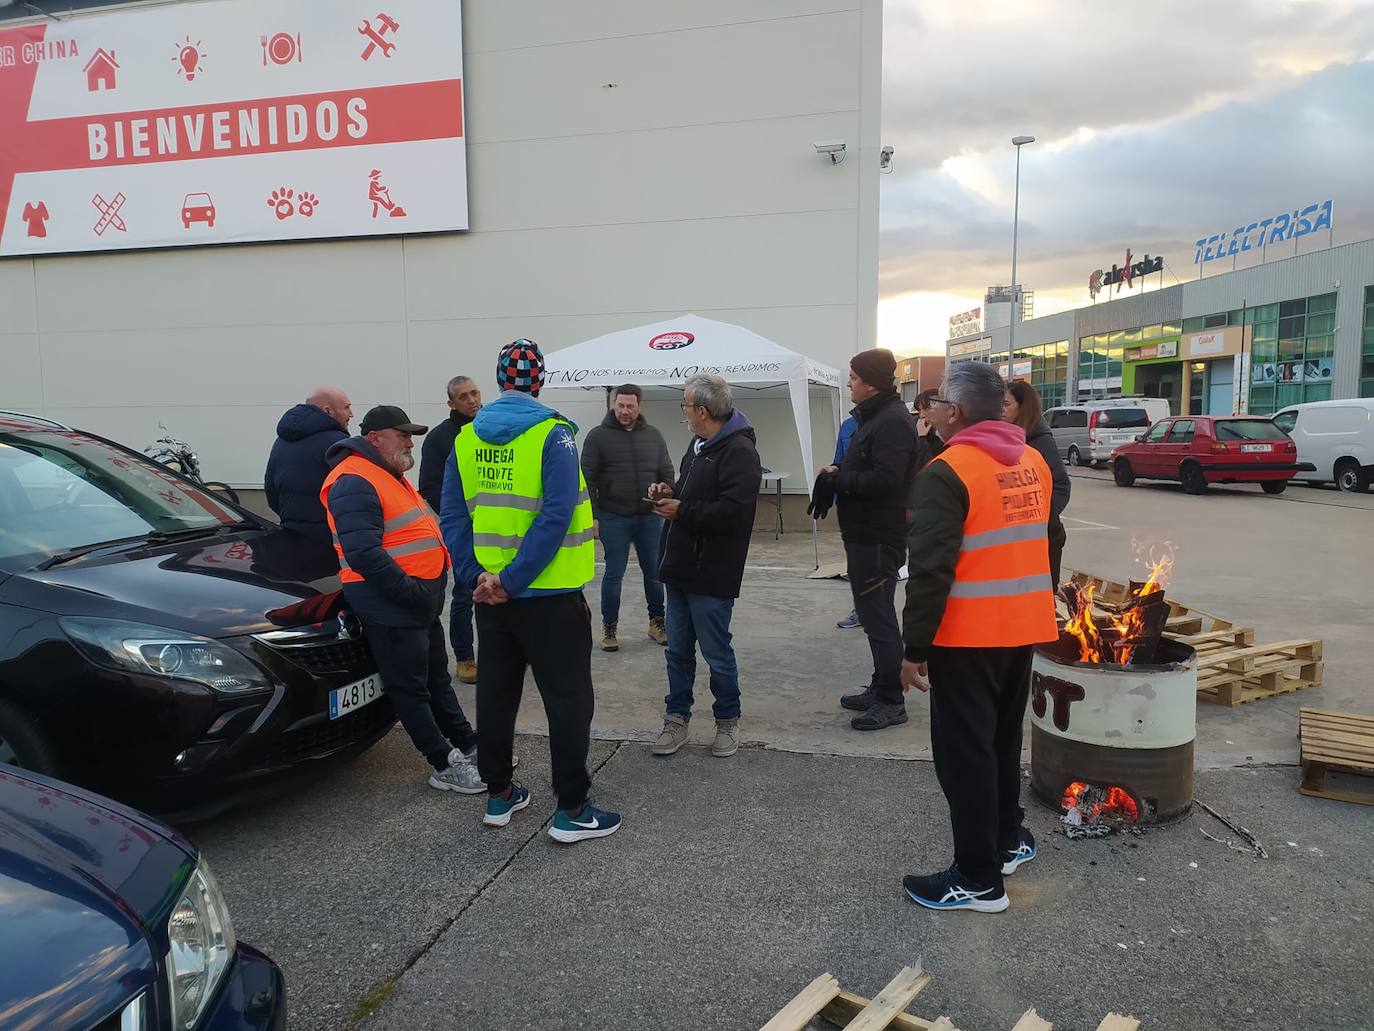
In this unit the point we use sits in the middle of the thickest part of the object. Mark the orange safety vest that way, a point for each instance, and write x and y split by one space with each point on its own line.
1001 596
410 535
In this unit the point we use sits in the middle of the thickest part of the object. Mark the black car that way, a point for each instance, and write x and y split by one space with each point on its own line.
157 642
111 921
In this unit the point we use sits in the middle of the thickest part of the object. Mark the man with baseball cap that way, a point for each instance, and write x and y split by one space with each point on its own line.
394 567
517 519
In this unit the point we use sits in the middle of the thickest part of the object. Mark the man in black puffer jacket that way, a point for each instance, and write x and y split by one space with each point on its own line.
296 468
620 459
870 488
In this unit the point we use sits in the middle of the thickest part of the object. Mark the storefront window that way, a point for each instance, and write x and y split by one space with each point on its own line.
1291 351
1367 346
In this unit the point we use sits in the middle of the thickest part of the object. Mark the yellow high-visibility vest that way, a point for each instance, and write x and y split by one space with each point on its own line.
504 488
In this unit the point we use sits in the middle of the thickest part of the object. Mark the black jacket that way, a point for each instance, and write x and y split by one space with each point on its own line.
387 596
296 469
871 486
1042 440
434 453
703 551
619 464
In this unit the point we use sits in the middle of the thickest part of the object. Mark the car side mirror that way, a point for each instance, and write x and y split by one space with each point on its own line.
1140 438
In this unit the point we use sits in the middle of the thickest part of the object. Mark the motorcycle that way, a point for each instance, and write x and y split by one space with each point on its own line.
177 455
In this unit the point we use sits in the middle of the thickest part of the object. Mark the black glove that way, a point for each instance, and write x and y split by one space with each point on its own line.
822 497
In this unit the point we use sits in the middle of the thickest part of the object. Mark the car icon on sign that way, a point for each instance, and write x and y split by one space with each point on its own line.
197 207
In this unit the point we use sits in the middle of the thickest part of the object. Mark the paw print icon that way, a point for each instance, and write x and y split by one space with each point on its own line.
280 201
305 203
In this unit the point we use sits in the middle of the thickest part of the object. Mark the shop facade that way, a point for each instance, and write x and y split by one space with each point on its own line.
1253 340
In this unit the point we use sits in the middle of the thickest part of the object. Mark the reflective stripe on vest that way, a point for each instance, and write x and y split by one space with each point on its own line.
410 534
1002 595
504 488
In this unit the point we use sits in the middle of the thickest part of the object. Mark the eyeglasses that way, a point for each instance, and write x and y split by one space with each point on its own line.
938 401
685 405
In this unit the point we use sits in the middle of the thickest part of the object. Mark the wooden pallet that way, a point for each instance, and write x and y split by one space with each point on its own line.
1342 742
1233 676
823 998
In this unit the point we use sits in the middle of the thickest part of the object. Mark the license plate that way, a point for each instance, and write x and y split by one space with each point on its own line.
355 696
1256 448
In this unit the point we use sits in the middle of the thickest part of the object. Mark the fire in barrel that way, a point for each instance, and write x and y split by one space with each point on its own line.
1114 711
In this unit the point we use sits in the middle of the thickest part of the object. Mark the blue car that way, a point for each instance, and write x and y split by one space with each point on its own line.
110 921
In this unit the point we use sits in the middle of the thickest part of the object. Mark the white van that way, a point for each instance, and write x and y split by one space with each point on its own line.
1336 438
1089 431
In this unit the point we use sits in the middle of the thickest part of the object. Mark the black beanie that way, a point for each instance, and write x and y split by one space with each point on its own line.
876 367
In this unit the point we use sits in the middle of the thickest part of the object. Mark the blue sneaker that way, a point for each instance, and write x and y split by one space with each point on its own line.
591 822
851 621
1024 852
950 889
499 809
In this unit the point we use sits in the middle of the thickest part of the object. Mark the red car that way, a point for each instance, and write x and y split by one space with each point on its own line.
1199 450
197 207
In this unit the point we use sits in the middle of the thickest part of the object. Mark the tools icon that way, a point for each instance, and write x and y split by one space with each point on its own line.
377 36
109 214
283 48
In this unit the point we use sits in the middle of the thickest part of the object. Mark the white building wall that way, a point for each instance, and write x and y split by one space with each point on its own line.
689 185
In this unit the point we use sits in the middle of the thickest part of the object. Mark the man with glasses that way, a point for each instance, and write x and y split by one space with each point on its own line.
707 516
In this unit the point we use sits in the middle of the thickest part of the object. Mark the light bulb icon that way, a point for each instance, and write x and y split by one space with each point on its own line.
189 58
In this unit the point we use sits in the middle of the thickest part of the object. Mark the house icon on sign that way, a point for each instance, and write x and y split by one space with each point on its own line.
100 71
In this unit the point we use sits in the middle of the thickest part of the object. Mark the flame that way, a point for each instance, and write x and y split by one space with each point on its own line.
1115 645
1082 627
1115 802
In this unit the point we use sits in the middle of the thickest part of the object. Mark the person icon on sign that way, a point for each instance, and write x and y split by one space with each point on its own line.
380 196
36 215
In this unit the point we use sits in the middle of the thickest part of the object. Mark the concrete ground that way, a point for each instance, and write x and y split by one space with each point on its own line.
734 882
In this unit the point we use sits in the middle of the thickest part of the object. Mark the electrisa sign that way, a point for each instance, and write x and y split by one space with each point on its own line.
1278 228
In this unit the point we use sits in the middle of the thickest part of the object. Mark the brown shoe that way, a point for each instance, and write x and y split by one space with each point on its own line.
467 672
657 630
608 639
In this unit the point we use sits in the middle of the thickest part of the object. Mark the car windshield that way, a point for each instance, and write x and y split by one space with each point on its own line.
1122 418
61 490
1248 429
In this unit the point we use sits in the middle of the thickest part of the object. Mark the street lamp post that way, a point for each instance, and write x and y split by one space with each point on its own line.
1018 142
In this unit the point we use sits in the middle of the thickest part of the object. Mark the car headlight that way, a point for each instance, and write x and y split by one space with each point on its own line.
202 943
138 648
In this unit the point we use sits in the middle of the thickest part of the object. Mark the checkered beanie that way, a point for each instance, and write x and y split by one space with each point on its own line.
520 367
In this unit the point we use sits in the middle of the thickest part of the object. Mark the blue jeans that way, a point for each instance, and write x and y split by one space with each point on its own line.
460 622
699 619
618 532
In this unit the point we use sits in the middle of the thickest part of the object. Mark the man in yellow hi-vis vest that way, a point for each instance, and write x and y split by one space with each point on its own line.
518 523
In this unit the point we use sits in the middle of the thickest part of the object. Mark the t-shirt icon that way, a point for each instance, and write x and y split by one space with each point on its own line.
36 217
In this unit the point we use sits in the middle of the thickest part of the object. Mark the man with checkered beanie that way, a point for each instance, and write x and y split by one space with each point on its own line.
518 524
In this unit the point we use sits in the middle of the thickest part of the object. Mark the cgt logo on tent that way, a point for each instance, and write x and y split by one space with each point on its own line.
671 341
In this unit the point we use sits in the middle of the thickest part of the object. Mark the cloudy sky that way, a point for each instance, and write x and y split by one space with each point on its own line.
1157 122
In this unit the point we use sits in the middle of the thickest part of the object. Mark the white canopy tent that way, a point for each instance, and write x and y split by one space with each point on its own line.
666 353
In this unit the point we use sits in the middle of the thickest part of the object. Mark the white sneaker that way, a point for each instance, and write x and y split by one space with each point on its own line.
461 776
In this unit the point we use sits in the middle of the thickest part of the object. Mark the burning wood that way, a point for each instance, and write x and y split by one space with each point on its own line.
1128 636
1092 811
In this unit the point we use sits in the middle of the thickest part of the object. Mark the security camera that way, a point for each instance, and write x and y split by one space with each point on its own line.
834 149
885 159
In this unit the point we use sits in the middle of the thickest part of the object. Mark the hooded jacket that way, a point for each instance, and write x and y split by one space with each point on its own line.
296 469
936 532
878 466
704 549
434 453
388 595
620 463
1043 441
500 422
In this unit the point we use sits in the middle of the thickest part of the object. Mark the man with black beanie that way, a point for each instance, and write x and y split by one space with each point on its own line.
870 487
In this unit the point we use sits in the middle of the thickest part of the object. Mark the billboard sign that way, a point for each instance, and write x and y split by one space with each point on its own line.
1263 232
966 322
968 347
231 121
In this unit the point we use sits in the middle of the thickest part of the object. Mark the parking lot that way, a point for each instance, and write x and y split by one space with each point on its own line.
734 882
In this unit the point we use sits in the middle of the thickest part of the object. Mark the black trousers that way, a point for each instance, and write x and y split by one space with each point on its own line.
873 570
977 705
552 635
413 663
